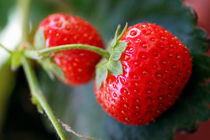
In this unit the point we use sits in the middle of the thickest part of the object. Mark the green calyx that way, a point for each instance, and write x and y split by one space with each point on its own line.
113 65
16 58
51 68
39 39
46 62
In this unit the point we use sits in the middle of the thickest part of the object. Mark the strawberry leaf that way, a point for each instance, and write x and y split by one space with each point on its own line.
6 7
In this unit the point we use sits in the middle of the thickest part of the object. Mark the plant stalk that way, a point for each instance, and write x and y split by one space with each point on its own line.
33 83
5 48
37 93
95 49
24 7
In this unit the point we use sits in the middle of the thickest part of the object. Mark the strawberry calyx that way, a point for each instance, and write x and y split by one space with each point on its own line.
46 62
117 36
113 65
15 57
51 68
39 39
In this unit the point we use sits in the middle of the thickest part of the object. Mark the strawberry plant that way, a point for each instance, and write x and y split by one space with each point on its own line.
150 77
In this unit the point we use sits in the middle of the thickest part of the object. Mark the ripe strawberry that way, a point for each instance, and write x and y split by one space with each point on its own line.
156 67
78 65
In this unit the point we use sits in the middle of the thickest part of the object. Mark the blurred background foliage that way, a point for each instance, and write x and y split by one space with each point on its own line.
77 106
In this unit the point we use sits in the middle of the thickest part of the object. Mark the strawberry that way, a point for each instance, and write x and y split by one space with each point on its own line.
155 68
78 66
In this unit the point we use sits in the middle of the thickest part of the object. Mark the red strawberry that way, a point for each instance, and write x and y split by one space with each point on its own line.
77 65
156 67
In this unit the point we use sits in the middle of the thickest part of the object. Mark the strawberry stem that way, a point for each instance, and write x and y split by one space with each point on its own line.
95 49
37 93
24 6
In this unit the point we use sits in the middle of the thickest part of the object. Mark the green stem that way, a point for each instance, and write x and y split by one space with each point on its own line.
5 48
33 83
37 93
95 49
24 7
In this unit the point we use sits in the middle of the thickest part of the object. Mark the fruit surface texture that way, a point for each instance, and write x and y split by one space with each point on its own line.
78 65
156 67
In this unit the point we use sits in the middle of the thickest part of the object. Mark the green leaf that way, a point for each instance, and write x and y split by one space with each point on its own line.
51 68
115 67
101 74
40 9
39 40
6 7
16 59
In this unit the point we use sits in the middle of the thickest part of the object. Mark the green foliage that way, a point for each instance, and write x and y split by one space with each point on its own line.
39 10
5 8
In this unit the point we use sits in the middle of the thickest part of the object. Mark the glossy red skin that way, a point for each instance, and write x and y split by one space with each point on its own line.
77 65
156 67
